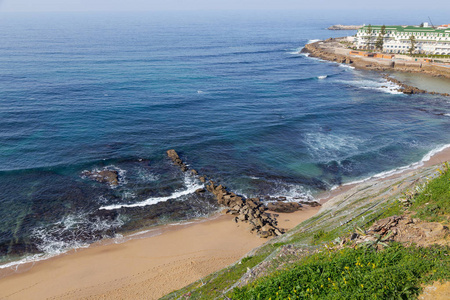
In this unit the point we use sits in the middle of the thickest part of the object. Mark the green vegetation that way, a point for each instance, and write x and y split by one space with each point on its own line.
433 202
369 36
380 40
363 273
220 281
431 56
412 40
396 272
312 261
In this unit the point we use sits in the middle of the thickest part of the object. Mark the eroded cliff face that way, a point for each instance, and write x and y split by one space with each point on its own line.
329 50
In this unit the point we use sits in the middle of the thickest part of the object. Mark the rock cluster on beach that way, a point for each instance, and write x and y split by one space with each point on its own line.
251 211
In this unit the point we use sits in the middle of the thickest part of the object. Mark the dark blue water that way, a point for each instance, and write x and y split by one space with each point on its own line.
228 91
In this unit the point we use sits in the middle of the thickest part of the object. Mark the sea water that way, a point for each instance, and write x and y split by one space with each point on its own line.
229 91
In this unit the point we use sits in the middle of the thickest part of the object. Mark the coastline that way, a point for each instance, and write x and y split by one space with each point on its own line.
332 50
166 258
165 262
433 158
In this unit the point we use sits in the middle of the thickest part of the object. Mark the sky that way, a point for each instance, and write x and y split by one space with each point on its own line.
156 5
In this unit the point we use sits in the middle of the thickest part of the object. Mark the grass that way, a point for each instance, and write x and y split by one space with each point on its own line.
431 55
433 202
399 272
215 284
396 272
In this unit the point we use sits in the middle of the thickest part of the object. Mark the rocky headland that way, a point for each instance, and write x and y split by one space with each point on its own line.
344 27
333 50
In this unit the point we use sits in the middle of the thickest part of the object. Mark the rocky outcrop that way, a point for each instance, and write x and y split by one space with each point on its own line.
103 176
284 207
402 229
344 27
173 155
251 211
328 50
404 88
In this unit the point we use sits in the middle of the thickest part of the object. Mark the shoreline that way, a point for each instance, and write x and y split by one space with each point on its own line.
164 262
433 157
165 258
332 50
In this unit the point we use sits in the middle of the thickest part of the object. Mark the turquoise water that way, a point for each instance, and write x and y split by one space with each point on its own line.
228 91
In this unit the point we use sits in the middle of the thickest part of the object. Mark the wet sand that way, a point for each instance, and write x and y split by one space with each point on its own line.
143 267
157 262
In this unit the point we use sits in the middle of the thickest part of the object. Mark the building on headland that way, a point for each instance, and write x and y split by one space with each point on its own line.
399 39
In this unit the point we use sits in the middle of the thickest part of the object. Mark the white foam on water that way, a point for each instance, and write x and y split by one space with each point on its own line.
448 115
292 193
384 85
52 242
346 66
191 186
312 41
297 51
14 265
121 174
402 169
322 76
328 146
147 176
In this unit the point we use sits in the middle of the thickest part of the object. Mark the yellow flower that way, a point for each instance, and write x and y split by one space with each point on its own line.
362 285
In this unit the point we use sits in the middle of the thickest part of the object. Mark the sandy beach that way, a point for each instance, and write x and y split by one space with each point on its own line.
143 267
155 262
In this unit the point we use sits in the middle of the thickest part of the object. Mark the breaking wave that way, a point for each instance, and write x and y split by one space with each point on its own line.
191 184
402 169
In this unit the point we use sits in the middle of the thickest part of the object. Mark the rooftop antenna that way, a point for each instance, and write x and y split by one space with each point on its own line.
431 22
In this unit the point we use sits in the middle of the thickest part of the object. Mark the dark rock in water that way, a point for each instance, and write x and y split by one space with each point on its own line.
249 211
104 176
18 248
284 207
200 190
173 155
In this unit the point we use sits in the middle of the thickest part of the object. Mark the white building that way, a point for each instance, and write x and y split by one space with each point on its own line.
397 39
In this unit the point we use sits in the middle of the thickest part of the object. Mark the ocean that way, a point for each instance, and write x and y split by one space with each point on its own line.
229 91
